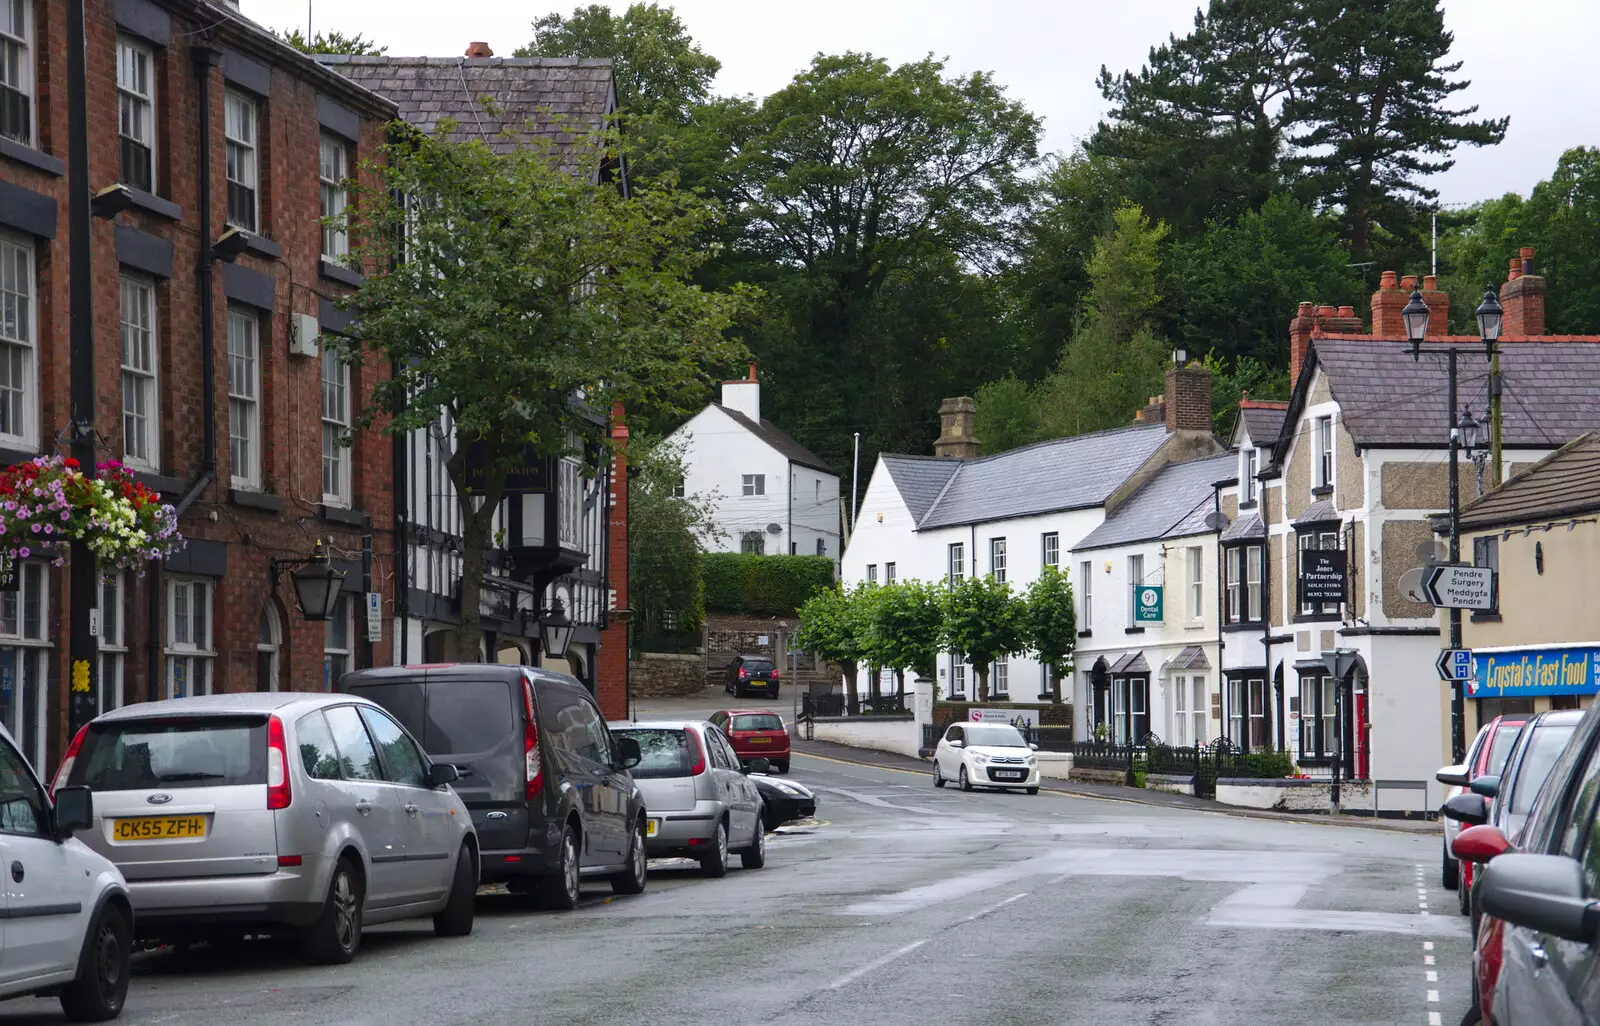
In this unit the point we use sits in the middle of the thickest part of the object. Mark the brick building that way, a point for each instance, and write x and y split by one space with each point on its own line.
280 133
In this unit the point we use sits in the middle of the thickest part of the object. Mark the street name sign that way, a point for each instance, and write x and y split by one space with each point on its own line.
1452 586
1455 664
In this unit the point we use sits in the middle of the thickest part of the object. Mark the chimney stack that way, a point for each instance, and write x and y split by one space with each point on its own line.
956 441
1438 307
1522 297
1188 398
479 50
1387 303
743 395
1310 320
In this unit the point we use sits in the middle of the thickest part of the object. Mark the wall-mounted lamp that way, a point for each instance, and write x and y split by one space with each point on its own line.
316 583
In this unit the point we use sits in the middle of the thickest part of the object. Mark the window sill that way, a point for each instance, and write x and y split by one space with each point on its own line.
1244 625
1319 618
1322 491
36 159
251 499
150 203
1247 506
354 279
1200 626
1489 617
258 245
158 482
11 457
1133 630
343 515
1086 634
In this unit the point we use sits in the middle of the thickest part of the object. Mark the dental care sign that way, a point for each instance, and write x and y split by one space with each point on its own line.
1018 718
1528 673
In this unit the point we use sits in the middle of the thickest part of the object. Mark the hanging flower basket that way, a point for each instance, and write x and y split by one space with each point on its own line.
50 501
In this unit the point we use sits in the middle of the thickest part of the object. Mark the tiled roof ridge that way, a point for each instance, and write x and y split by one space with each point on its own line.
1583 441
469 62
1342 336
1248 403
1065 438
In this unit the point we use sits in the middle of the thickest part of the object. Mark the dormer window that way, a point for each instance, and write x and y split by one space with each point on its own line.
1247 476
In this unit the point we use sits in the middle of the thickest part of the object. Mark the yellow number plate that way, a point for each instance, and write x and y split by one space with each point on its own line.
761 740
651 826
158 828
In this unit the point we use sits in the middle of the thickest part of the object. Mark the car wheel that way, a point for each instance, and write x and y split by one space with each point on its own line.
101 986
755 856
714 863
455 919
782 766
1450 871
938 778
335 936
966 784
632 879
560 892
774 691
1033 790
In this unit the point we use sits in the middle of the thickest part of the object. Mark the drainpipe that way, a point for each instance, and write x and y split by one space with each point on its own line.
402 537
1266 626
1222 677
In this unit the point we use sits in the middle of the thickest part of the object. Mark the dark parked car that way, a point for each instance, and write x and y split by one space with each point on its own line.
784 800
751 674
1546 893
545 782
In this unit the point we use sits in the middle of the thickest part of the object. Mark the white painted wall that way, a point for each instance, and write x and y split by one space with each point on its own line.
814 512
718 451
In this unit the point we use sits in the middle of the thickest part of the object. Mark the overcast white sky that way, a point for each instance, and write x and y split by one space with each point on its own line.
1532 60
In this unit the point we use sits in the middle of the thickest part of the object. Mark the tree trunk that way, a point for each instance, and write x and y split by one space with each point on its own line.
852 690
982 673
1055 685
477 525
900 687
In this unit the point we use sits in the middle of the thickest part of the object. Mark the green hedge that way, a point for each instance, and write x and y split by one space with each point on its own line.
762 585
1266 765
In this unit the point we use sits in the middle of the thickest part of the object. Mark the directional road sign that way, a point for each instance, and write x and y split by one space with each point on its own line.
1452 586
1455 664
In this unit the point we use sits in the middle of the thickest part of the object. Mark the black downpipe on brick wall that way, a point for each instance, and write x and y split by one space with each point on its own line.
80 239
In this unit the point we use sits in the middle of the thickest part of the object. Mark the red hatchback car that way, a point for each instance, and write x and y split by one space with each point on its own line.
756 734
1490 761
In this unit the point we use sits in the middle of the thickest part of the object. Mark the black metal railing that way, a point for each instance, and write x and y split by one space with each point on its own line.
822 703
882 705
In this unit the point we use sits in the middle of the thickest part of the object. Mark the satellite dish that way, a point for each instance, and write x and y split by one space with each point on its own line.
1428 552
774 528
1410 585
1216 521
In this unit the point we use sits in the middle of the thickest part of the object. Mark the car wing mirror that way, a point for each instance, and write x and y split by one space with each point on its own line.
1487 785
1471 809
629 754
442 773
73 811
1455 776
1479 844
955 743
1541 892
1033 746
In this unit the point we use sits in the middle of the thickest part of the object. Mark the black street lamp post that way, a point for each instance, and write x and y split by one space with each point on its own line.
1489 317
84 580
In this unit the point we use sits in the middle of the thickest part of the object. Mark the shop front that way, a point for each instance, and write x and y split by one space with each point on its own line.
1533 679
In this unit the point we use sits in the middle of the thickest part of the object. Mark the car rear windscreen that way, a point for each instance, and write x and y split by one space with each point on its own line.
757 665
453 717
132 755
758 721
665 753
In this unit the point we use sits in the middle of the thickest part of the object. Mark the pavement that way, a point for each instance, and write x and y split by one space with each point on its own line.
906 904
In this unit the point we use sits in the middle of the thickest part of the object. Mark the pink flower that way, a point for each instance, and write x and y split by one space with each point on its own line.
24 552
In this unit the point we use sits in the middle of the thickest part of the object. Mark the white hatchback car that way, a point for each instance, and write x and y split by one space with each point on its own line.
986 755
69 924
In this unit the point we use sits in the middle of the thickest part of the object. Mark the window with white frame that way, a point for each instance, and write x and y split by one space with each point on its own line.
1195 558
113 641
335 429
337 633
1233 585
1086 594
958 677
1048 678
333 168
190 654
1050 549
872 573
1000 677
241 130
1318 736
1254 599
957 565
753 543
269 647
16 70
1135 578
889 573
1247 475
136 114
141 439
1198 711
1322 439
1181 723
18 341
997 558
25 661
754 484
244 397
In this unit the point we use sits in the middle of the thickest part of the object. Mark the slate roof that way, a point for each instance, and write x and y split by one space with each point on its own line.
1320 512
1169 500
556 99
1193 657
1551 394
1263 424
779 439
1564 484
919 479
1066 473
1249 526
1131 662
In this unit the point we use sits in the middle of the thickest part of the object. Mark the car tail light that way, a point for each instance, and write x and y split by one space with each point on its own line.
66 764
289 861
534 766
774 673
279 794
742 674
698 765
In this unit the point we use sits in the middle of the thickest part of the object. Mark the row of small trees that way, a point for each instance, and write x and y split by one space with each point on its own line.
904 626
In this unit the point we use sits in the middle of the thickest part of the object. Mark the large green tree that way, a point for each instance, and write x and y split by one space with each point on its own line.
666 532
661 71
983 622
513 298
832 625
1050 620
1372 112
908 618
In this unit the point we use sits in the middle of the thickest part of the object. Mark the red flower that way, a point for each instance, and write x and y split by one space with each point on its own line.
70 462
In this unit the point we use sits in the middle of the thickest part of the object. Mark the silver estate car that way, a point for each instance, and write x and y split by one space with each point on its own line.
247 813
699 804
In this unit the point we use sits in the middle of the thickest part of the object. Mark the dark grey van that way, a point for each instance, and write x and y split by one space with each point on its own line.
544 780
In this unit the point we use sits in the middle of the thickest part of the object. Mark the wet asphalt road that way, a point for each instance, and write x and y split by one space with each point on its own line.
907 905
